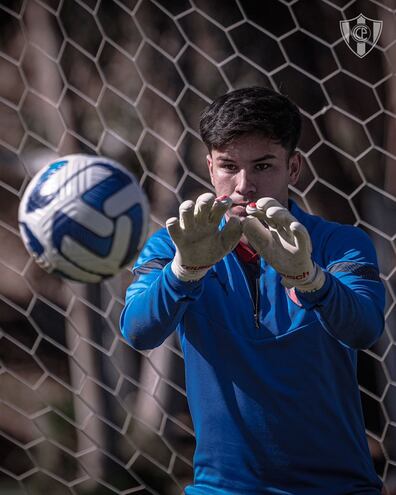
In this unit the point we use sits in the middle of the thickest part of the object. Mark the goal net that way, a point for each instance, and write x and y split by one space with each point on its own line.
81 412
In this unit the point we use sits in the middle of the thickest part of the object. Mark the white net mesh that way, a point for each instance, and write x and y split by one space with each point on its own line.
81 412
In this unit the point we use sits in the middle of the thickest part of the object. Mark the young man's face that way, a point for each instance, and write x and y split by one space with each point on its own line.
250 168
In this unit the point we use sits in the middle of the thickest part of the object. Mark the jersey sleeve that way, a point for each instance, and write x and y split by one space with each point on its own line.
156 300
351 303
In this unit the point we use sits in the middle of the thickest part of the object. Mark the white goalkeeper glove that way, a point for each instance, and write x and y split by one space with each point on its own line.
285 244
199 242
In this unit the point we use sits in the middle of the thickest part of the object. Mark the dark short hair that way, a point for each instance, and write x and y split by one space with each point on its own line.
253 110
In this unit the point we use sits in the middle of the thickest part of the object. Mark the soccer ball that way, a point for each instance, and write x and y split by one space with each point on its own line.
83 217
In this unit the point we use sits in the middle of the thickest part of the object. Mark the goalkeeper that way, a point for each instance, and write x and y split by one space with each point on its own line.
271 305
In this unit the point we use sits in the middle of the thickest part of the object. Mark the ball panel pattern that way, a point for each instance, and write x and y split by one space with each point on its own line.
96 196
84 217
35 246
36 199
64 225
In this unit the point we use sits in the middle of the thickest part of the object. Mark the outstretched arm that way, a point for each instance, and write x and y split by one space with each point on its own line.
155 303
346 294
169 273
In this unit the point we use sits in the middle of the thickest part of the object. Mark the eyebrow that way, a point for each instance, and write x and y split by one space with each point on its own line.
259 159
269 156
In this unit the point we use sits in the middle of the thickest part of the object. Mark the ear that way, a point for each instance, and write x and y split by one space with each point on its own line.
295 163
209 161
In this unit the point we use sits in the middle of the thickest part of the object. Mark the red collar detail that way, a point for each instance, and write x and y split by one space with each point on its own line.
246 254
293 296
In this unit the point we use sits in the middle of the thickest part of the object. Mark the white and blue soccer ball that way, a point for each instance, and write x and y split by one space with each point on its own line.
84 217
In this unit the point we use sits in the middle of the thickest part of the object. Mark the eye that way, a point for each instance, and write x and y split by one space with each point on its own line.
262 166
229 166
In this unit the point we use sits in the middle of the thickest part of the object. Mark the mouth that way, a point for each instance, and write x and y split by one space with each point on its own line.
242 204
239 209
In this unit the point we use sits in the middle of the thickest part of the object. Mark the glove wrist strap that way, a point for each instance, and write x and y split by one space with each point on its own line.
314 283
188 273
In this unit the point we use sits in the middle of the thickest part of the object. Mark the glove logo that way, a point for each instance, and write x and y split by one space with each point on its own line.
301 276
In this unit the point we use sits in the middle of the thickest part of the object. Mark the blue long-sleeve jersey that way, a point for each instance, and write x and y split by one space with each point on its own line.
274 398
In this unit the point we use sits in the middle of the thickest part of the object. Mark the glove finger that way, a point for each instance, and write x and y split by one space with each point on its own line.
219 208
258 235
302 238
203 206
186 215
262 206
267 202
173 228
280 215
280 218
231 234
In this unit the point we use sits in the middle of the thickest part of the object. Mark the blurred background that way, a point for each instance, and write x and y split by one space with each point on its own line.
81 412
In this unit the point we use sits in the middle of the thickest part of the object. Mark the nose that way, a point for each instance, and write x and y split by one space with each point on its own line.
245 185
